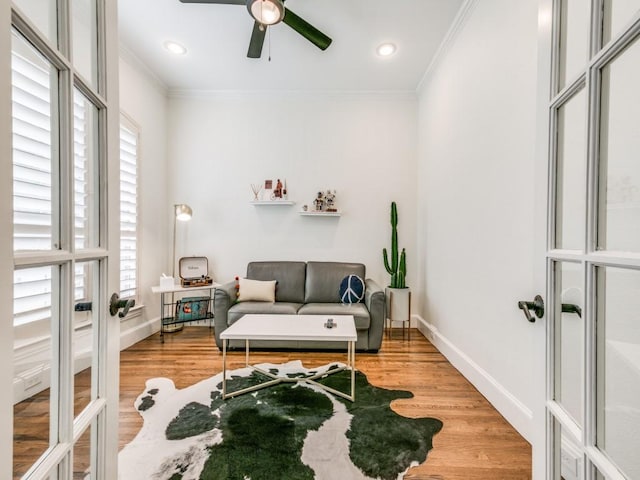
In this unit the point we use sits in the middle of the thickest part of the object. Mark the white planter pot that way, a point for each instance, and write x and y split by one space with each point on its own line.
398 304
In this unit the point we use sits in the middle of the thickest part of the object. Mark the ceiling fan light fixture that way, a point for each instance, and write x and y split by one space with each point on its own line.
266 12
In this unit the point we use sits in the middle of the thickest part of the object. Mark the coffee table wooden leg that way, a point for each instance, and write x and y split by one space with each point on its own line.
246 346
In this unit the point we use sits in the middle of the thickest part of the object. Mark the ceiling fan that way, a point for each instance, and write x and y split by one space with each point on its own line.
270 12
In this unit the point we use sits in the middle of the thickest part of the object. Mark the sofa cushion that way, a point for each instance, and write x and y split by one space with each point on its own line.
256 290
323 280
289 275
358 310
240 309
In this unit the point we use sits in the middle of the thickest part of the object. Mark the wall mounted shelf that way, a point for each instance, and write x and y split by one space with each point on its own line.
320 214
273 203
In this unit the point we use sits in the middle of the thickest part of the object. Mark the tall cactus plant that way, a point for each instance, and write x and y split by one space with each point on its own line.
398 267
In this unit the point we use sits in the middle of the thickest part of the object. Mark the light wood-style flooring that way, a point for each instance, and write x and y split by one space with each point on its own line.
475 443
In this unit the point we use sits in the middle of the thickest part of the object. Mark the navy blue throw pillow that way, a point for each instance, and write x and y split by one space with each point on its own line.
352 289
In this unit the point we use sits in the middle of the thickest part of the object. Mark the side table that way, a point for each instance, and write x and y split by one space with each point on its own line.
168 314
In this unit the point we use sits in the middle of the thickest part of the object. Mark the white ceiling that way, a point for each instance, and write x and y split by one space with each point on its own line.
217 37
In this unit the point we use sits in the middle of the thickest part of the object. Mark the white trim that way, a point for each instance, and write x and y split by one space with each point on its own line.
38 378
134 61
512 409
409 95
130 336
456 26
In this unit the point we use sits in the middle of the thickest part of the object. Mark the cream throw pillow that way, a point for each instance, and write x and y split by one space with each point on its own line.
256 290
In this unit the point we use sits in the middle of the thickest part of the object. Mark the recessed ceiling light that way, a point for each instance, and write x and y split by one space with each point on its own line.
386 49
175 47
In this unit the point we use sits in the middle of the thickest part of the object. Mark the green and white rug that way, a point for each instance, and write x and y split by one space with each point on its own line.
290 431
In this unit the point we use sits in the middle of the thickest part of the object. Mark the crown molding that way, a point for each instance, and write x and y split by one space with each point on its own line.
133 60
456 27
261 94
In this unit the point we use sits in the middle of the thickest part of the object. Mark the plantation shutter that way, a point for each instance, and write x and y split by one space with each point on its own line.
32 146
32 187
128 211
33 194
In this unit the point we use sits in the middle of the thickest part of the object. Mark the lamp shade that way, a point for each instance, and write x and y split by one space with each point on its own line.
183 212
266 12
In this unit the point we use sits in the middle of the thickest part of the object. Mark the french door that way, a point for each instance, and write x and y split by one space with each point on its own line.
60 128
593 242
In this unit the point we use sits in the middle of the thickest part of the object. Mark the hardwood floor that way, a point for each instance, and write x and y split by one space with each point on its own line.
476 442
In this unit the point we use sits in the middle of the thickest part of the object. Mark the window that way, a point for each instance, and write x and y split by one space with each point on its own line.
33 80
128 209
33 194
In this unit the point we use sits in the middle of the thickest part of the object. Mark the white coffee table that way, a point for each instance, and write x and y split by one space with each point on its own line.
291 327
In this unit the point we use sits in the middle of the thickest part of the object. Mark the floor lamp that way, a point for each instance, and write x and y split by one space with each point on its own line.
183 213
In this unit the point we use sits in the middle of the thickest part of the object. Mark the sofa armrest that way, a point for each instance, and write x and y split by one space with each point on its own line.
374 300
224 297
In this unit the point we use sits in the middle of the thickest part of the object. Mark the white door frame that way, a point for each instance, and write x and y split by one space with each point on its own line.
6 245
541 212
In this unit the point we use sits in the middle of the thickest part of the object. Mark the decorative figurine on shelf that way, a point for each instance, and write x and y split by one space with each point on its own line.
284 190
319 202
277 192
330 199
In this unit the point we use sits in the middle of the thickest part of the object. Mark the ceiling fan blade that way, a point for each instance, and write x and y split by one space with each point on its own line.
257 40
224 2
307 30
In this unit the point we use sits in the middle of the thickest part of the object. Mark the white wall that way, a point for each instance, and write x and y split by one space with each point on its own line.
143 100
477 124
362 145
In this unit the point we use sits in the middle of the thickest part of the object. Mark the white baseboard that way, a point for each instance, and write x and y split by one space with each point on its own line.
512 409
139 332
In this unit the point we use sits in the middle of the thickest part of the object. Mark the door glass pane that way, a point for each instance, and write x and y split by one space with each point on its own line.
33 83
574 39
85 323
567 454
569 339
617 14
35 315
86 187
571 173
618 373
42 13
619 223
82 457
85 40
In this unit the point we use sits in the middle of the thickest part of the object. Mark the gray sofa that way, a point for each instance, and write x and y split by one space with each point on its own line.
305 288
